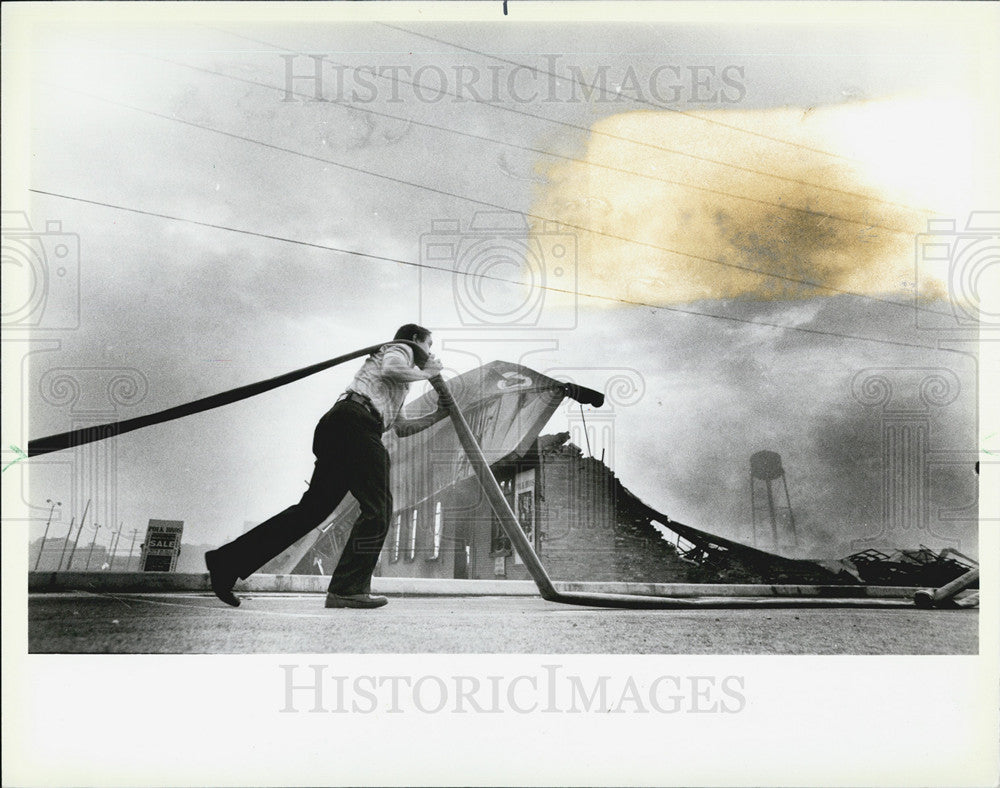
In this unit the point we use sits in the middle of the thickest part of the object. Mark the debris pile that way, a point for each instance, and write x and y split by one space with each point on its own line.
921 567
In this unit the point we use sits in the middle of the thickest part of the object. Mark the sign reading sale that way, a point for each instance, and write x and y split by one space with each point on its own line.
162 545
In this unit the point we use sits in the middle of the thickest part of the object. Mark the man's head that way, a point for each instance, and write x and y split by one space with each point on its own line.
415 333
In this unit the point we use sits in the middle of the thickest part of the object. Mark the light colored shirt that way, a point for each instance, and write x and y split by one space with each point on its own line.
386 393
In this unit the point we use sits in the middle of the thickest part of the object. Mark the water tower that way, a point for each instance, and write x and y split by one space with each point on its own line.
765 470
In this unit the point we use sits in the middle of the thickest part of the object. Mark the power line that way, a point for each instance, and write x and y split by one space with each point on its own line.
413 264
484 203
595 132
528 148
638 142
605 90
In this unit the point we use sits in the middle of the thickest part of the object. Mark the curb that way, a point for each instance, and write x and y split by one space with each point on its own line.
173 582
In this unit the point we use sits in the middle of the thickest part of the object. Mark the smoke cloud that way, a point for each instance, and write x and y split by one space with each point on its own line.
812 223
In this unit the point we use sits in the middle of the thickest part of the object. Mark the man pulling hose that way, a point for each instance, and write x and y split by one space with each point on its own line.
350 457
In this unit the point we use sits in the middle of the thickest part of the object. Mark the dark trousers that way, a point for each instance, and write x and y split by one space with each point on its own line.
350 457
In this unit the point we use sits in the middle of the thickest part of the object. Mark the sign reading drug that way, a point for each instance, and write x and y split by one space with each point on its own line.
162 545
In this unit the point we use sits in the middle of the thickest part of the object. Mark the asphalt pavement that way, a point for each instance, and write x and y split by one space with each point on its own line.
86 622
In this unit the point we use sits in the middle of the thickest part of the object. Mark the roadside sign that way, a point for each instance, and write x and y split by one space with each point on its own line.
162 546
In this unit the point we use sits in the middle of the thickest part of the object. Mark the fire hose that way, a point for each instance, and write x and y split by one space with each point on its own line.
78 437
512 529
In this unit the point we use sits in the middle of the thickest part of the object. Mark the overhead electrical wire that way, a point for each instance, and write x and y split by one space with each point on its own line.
527 148
486 204
598 132
411 263
637 99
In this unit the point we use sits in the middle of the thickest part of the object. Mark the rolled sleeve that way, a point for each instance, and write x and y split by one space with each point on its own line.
396 356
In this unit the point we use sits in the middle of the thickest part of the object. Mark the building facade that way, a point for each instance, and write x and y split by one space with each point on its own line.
579 518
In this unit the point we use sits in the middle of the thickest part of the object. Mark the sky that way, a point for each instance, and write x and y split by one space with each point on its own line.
728 226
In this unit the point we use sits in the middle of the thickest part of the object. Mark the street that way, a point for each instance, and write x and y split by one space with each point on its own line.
84 622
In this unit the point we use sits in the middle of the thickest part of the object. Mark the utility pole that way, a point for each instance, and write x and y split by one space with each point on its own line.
97 527
114 550
66 542
128 561
45 536
83 519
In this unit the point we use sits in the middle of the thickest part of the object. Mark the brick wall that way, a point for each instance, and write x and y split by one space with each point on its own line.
591 530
